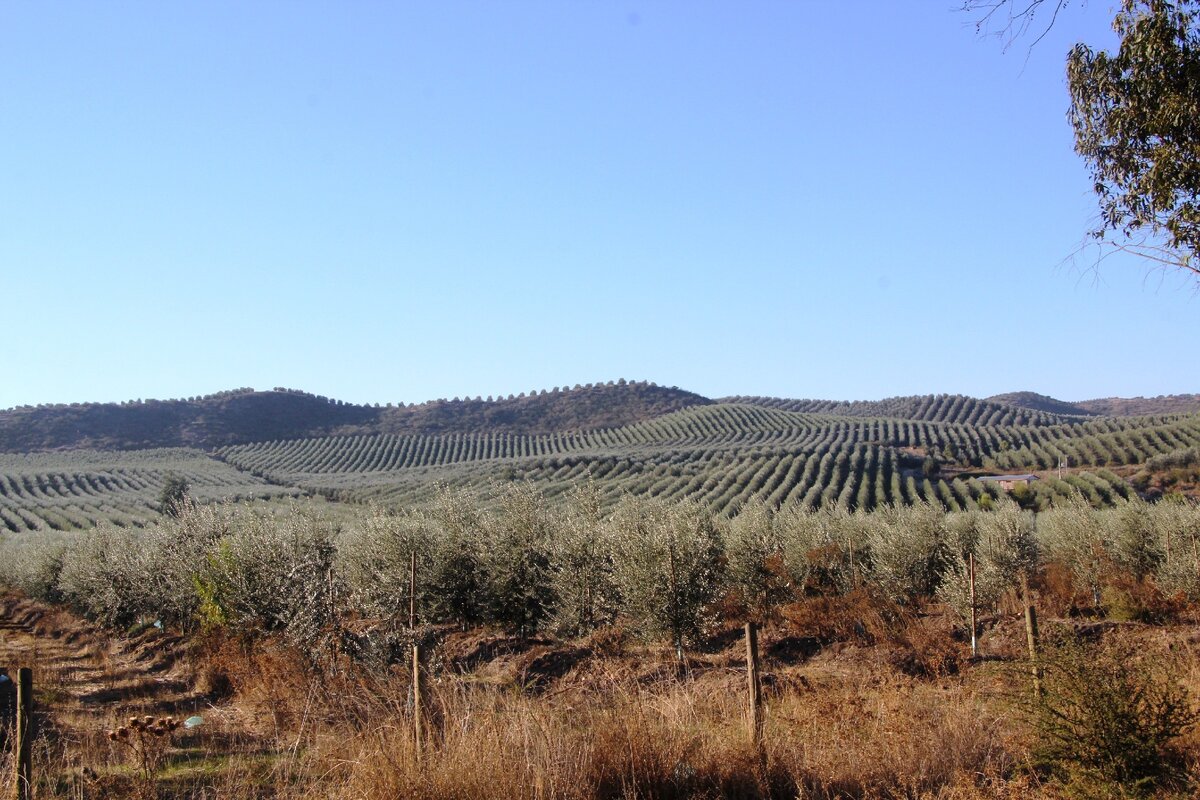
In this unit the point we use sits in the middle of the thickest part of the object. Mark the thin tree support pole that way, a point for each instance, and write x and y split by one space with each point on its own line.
755 684
412 592
418 734
971 585
1031 636
23 785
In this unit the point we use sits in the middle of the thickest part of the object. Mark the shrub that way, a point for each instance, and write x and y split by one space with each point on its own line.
375 558
33 564
457 578
1107 715
1178 526
272 574
1005 548
104 576
1073 534
1135 544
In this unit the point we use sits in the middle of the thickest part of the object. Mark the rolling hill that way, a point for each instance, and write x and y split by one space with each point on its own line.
634 438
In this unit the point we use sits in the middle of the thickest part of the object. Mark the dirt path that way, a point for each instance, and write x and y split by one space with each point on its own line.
78 669
87 683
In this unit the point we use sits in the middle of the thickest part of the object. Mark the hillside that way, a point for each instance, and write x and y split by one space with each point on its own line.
582 408
1106 406
242 416
1041 402
626 438
1142 406
929 407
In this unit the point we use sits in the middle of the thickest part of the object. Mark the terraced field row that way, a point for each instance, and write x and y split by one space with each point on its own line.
929 408
733 426
720 454
855 477
67 491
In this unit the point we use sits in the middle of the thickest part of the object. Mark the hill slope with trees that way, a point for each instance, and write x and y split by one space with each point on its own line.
242 416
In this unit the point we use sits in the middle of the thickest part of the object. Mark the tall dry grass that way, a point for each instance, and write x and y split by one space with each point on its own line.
647 733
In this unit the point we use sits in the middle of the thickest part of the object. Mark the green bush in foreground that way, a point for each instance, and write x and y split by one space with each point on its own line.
1107 718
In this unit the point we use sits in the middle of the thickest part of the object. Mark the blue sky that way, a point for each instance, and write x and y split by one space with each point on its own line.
404 201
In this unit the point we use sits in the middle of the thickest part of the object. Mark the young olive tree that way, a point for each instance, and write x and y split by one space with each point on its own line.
103 576
175 551
581 565
517 558
375 560
1178 527
908 550
667 566
457 580
755 567
272 574
1135 543
33 563
1004 547
822 550
1072 534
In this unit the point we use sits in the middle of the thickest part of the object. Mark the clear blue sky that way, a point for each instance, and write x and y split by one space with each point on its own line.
399 201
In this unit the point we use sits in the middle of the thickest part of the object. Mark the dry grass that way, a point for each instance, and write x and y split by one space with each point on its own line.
851 718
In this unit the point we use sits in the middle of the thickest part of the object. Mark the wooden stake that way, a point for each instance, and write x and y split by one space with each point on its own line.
412 592
1031 636
23 788
853 572
755 684
417 733
971 585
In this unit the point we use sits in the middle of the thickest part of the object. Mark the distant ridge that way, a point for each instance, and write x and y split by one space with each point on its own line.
1107 406
1041 402
1143 406
931 407
241 416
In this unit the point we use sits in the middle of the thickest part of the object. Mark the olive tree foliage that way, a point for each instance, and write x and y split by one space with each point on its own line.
375 561
1134 540
756 568
103 576
272 574
581 565
817 547
1074 534
174 554
175 499
1178 527
456 580
32 564
909 550
667 566
516 556
1004 545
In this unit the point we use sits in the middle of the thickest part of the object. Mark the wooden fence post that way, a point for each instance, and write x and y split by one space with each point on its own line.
418 734
1031 636
23 747
971 584
755 685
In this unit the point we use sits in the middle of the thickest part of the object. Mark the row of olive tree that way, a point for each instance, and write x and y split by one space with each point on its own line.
668 570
